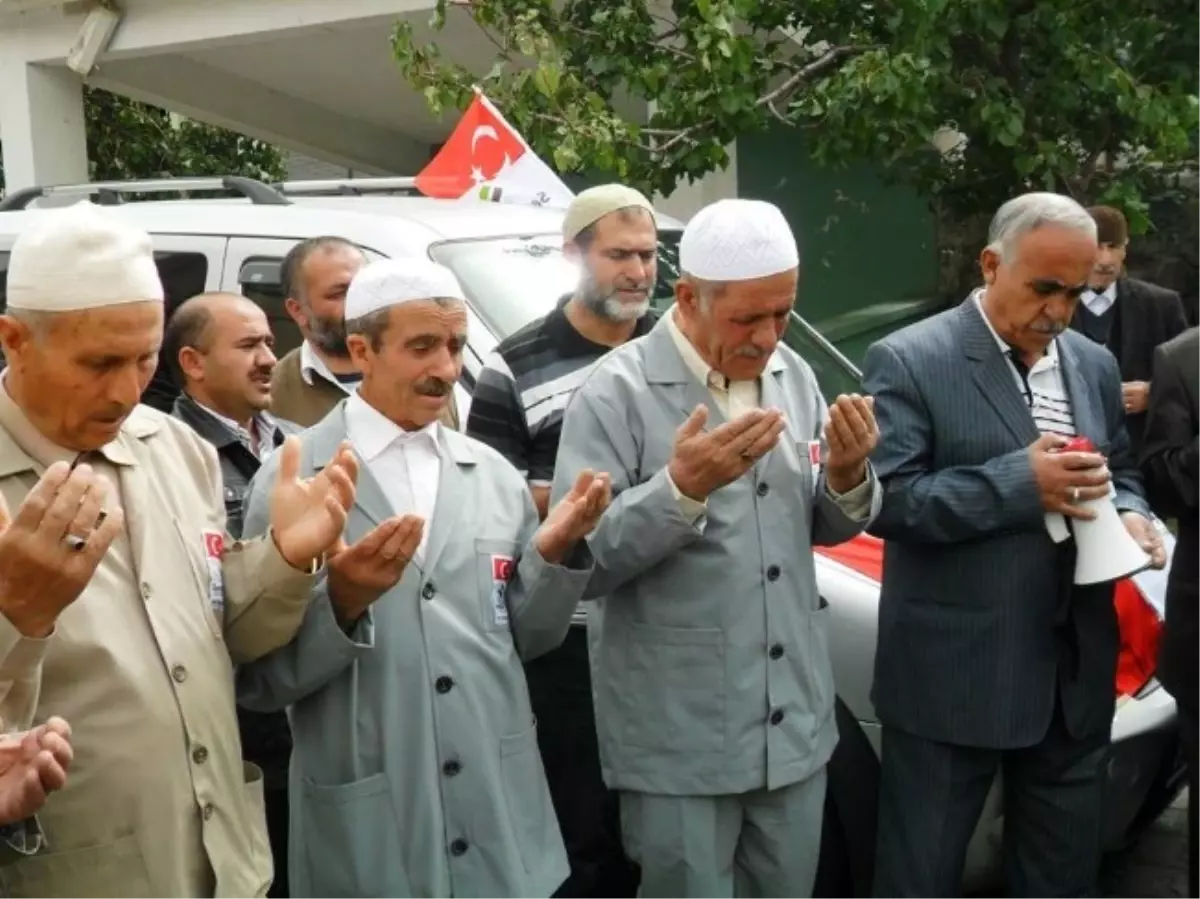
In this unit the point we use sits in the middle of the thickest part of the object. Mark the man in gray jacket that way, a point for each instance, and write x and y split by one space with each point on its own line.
714 691
415 769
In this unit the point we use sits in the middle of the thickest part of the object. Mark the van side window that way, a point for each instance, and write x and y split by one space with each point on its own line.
183 276
259 280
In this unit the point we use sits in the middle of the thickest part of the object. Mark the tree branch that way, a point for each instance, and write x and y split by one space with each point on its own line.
827 61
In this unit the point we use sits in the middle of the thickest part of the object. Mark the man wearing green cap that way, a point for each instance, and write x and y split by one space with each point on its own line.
517 408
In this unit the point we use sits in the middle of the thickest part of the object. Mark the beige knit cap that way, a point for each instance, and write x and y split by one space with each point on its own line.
593 204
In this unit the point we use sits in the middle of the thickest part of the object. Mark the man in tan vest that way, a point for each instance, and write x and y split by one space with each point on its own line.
133 634
313 378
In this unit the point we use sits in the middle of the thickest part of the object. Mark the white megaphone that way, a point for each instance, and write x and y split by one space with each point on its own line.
1105 551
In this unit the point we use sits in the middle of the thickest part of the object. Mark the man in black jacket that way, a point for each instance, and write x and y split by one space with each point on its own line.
1128 316
219 347
1170 460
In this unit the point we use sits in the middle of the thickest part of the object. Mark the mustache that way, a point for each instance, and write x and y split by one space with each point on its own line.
1051 328
433 387
751 352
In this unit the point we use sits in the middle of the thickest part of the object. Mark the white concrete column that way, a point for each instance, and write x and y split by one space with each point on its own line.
42 135
687 199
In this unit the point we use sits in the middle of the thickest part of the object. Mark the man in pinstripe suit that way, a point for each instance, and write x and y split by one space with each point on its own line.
990 661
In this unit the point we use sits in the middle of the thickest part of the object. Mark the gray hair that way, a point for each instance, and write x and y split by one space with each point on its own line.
373 325
1028 212
37 322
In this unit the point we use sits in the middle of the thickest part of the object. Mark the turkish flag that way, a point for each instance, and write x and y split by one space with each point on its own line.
485 158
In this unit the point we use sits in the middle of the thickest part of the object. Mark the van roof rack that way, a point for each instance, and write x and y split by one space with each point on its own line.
347 187
109 193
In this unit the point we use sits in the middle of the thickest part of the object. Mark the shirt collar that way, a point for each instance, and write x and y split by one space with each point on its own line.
312 364
265 427
1099 302
1051 353
372 432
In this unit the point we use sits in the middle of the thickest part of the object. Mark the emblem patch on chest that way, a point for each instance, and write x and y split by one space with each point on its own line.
502 572
814 462
214 552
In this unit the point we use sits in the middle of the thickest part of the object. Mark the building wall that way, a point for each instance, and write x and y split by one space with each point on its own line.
305 168
869 249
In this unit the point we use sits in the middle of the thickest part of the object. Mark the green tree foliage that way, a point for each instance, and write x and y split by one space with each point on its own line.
127 139
1095 98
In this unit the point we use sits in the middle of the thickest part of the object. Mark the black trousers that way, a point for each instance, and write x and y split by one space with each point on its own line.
1188 726
931 796
267 742
560 689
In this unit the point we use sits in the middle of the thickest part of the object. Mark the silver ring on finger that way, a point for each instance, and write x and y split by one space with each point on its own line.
1074 496
74 542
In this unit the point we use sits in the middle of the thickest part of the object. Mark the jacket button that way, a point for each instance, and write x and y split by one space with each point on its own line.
179 673
777 716
773 573
451 768
444 684
762 489
776 651
458 847
209 811
428 591
199 755
146 591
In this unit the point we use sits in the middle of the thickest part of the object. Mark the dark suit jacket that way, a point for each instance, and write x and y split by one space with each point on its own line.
1147 315
1169 461
978 631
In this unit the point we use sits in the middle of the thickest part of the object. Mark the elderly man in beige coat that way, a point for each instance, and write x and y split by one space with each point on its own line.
123 604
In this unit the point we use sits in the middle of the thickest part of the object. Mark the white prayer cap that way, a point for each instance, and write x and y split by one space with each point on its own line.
390 282
81 257
595 203
738 240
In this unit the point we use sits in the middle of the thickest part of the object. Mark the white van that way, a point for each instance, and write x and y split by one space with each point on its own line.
507 257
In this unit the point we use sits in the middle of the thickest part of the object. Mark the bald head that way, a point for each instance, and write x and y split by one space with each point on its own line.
220 348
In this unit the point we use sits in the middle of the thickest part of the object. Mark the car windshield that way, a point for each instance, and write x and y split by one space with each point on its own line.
513 280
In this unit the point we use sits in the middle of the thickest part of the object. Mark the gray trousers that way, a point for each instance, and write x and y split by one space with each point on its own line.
762 843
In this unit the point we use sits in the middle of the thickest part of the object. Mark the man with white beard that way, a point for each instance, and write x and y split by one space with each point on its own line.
517 409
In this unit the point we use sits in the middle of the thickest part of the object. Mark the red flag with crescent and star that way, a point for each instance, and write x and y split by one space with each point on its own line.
485 158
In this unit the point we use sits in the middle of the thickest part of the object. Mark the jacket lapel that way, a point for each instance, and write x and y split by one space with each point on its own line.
1086 410
993 375
453 496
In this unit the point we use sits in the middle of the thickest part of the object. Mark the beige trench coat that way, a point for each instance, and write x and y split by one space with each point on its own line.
159 801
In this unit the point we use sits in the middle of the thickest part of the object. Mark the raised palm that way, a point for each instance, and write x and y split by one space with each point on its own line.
308 515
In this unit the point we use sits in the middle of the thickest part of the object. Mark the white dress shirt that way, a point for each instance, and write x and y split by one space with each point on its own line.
406 464
1099 303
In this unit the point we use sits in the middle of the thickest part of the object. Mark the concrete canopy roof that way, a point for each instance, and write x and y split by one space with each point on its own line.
314 76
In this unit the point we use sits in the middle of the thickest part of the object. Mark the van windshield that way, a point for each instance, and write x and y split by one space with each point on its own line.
513 280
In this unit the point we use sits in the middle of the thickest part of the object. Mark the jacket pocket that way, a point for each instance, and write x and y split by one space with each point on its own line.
206 592
495 563
527 798
350 840
115 869
675 688
256 822
812 673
